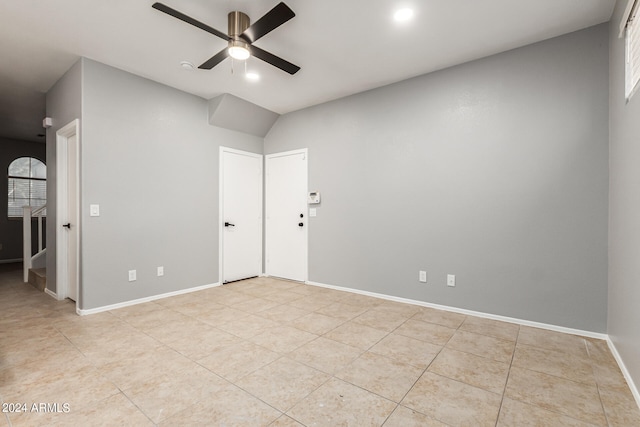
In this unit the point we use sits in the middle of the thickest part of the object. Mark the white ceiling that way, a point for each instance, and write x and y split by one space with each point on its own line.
343 46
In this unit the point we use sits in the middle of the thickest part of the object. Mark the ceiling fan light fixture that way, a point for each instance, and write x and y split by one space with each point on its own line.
241 35
238 50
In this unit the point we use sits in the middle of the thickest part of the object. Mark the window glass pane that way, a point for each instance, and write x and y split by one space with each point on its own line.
38 169
18 195
11 189
20 167
20 188
38 189
15 207
27 185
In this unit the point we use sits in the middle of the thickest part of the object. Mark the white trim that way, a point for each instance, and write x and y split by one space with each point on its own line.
287 153
625 371
522 322
62 138
221 208
625 17
9 261
143 300
220 212
632 44
52 294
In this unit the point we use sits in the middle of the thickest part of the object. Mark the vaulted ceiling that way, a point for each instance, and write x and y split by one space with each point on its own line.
342 46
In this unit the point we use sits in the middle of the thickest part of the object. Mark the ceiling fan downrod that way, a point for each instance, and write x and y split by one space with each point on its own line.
238 22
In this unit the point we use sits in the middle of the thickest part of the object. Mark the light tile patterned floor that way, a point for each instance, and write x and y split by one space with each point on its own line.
272 352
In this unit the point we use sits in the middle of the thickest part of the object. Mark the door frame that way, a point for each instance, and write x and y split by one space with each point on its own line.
221 209
62 204
305 152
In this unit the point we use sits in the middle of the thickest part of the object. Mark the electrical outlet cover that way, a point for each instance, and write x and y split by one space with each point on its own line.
451 279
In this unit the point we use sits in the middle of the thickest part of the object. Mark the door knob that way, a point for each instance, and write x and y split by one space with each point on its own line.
228 224
67 225
300 224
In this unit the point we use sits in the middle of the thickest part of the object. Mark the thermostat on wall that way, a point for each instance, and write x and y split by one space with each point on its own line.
314 197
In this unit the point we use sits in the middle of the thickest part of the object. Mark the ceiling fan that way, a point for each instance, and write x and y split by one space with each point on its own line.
242 35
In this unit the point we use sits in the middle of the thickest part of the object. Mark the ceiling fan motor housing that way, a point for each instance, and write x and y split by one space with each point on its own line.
238 22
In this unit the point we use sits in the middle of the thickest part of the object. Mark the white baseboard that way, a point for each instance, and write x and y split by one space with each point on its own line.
523 322
51 293
625 371
143 300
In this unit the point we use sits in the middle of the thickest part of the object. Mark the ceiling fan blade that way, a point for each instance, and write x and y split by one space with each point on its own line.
269 22
181 16
215 59
274 60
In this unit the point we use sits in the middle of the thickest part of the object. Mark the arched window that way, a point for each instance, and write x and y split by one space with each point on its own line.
27 185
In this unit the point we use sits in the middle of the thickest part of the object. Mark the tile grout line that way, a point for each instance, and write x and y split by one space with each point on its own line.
96 371
425 370
137 407
333 375
551 375
283 355
367 351
604 411
504 391
204 367
123 392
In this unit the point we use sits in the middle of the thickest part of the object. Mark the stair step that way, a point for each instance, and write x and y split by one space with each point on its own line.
38 278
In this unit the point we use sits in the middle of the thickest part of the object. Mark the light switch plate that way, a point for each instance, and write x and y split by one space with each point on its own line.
94 210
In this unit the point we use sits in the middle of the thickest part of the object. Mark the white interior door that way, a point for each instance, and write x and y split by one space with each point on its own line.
68 217
286 214
72 218
240 214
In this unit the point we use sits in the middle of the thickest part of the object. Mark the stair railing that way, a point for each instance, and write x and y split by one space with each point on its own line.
27 215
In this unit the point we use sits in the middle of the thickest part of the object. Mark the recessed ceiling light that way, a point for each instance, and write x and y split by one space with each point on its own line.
186 65
403 15
254 77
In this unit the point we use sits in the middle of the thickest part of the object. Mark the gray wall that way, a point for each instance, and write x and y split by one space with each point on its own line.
64 104
624 209
11 229
150 160
495 170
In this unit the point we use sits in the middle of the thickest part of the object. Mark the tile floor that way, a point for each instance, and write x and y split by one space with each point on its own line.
278 353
